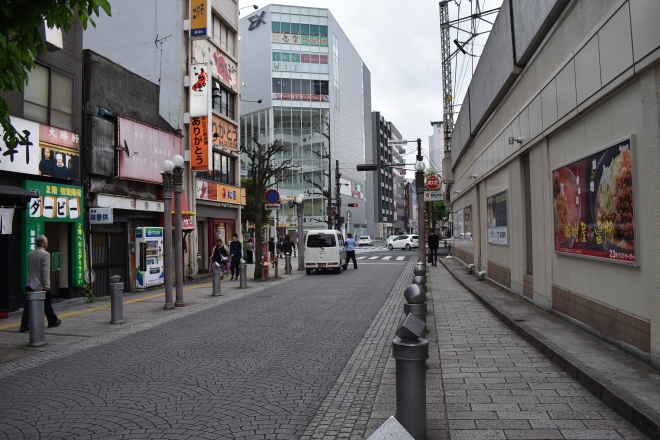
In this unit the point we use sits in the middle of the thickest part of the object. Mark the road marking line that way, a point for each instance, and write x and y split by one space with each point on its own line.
400 258
387 258
373 258
360 258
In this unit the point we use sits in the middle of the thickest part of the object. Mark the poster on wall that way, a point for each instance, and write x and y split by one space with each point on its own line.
497 219
593 205
467 222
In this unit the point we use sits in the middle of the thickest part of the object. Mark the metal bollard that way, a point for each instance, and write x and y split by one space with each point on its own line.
243 270
411 352
217 277
287 264
116 300
36 309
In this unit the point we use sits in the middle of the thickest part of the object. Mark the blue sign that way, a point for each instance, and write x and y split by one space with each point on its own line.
272 196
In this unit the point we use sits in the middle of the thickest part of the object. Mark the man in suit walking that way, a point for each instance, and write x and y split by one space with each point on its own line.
39 270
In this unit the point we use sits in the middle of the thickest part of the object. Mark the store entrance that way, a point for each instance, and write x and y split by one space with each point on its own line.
59 247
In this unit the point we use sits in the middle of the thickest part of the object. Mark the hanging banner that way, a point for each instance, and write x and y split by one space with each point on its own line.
593 205
200 153
497 219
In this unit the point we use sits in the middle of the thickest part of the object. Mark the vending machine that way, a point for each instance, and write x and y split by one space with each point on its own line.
149 257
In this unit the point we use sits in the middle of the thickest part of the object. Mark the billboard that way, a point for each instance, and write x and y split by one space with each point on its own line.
144 149
497 219
593 205
200 18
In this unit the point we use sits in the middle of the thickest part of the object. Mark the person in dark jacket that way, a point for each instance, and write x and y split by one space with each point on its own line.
235 255
433 242
271 248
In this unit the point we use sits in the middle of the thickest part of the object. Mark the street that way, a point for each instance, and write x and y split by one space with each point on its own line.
304 357
256 366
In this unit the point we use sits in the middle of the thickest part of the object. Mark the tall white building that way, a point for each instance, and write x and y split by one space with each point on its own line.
305 85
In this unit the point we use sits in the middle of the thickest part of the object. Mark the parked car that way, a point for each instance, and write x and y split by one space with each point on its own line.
365 240
406 242
389 238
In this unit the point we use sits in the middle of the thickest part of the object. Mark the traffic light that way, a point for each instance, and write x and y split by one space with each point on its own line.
352 205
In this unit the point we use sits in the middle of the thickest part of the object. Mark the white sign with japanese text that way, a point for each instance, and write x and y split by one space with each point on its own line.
23 157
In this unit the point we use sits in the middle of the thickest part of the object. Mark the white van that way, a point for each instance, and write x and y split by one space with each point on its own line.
325 250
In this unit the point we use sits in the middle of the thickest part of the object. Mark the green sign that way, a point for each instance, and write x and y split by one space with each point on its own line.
56 203
55 261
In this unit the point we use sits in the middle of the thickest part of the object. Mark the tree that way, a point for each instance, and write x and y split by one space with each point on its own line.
20 21
249 212
264 175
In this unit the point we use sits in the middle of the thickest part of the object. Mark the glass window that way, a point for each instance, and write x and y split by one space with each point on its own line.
222 169
285 28
286 85
295 28
48 98
304 29
277 85
324 30
295 85
313 29
276 27
223 100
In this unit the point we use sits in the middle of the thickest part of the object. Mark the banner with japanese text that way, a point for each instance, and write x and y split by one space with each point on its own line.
145 148
200 90
200 152
593 205
225 134
220 193
56 203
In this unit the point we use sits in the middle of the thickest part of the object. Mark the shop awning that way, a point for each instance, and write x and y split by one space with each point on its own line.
14 194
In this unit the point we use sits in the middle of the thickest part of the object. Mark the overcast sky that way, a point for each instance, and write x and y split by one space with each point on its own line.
399 41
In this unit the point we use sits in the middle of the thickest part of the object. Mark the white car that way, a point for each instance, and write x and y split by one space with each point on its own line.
406 242
365 240
389 239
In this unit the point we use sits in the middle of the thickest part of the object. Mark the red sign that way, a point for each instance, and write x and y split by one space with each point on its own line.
433 182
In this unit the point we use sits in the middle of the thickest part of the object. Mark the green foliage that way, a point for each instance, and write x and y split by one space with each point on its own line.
251 210
21 40
89 293
440 210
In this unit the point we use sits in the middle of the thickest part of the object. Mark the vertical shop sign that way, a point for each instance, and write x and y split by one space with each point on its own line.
200 96
200 18
200 153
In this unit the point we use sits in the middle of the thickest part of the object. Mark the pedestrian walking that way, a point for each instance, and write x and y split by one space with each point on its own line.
287 246
279 247
271 248
250 251
38 280
220 255
235 254
433 242
350 250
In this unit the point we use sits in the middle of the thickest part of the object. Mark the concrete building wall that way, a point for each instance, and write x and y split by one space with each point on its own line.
588 84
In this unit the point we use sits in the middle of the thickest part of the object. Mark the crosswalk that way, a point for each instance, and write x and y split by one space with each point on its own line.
384 257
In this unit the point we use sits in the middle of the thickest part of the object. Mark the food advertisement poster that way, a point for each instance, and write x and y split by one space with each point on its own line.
467 222
497 219
593 205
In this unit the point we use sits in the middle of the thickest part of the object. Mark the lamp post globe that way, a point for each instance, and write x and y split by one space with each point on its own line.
178 161
167 166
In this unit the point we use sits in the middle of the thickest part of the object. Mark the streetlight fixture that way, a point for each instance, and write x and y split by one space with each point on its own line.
178 163
249 6
301 242
167 166
419 184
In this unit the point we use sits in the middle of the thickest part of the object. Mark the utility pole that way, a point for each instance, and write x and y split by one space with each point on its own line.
337 196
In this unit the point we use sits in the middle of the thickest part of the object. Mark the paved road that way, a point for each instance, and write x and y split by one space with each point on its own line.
255 367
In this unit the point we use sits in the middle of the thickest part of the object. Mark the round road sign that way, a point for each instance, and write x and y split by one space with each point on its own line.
432 182
272 196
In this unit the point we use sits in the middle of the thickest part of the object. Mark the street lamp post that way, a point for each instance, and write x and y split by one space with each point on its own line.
167 166
419 186
178 232
301 242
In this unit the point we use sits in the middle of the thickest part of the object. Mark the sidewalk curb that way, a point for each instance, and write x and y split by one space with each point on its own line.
624 403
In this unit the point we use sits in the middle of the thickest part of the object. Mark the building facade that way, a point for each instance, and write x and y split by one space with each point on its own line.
305 86
190 51
386 189
554 159
40 178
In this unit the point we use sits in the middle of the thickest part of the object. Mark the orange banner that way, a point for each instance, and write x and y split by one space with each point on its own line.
200 153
